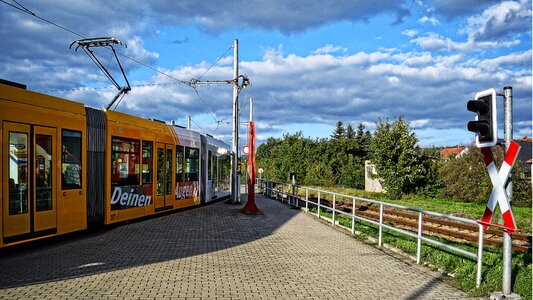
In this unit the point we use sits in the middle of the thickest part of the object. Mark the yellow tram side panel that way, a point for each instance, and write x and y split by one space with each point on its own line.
188 202
132 127
20 106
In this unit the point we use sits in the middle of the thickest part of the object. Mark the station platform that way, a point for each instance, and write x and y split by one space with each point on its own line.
216 252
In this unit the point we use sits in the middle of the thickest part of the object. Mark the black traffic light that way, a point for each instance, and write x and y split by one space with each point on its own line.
485 125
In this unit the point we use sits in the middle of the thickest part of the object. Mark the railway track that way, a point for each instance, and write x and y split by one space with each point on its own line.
432 226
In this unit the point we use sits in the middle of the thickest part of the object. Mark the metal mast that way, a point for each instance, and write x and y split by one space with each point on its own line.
507 238
235 197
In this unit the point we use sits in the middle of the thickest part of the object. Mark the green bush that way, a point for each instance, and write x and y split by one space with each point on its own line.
466 178
319 174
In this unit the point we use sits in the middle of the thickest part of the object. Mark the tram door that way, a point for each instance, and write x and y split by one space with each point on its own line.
29 160
164 196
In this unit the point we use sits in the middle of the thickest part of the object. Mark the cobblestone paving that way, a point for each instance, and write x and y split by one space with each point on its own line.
216 252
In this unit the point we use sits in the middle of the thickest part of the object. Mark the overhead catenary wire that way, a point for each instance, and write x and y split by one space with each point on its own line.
222 56
207 108
26 10
191 84
201 129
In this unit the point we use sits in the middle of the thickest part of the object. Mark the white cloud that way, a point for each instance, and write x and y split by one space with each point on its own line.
328 85
329 49
410 32
500 21
393 80
361 87
431 42
137 50
419 60
521 59
436 42
430 20
419 123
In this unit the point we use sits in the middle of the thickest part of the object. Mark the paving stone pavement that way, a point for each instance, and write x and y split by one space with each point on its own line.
216 252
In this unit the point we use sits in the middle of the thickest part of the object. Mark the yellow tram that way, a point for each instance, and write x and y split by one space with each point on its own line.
66 167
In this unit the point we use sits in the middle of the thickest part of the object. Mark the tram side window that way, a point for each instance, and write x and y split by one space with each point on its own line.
18 173
211 165
70 159
192 164
168 172
148 152
125 161
224 172
180 155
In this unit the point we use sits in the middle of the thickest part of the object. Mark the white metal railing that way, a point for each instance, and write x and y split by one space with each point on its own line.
290 193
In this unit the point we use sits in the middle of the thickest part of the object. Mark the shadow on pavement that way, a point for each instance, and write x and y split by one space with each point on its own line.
183 234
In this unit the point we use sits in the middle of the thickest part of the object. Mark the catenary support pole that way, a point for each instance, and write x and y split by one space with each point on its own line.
235 145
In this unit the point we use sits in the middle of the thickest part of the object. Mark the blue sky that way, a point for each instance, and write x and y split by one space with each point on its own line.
311 63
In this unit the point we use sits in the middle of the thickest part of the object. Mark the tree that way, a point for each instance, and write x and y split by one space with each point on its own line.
363 139
315 162
360 132
291 154
350 133
353 173
338 133
466 177
319 174
397 159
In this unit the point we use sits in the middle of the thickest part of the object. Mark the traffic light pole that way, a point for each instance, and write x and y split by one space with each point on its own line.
506 292
507 238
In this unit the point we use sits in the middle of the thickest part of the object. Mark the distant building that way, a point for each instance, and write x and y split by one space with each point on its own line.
457 151
372 184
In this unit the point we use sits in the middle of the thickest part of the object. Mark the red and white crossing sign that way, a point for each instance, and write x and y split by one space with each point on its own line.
246 150
498 194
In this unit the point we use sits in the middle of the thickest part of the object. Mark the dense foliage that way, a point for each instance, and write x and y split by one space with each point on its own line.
326 162
400 162
466 178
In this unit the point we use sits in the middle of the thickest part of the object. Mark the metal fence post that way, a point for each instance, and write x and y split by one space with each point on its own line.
281 192
479 255
380 224
419 246
318 210
297 196
353 216
333 216
306 200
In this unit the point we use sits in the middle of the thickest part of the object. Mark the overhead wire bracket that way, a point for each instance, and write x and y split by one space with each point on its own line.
106 42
